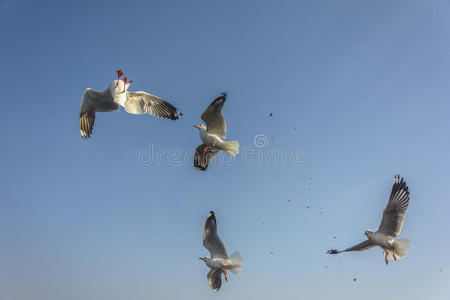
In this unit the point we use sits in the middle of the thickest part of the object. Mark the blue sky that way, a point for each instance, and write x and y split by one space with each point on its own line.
365 84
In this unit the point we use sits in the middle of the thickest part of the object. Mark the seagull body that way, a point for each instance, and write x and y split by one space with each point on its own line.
210 138
212 135
116 95
219 262
390 227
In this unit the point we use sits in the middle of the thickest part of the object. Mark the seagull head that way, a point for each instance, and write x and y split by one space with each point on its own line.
207 260
201 127
368 233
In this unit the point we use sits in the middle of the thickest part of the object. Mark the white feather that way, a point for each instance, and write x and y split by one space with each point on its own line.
236 263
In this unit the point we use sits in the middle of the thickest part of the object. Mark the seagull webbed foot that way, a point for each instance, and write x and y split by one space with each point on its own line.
206 149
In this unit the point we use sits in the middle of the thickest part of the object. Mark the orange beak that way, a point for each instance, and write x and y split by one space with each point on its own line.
196 126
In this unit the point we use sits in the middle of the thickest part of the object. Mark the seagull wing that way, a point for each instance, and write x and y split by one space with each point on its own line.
202 158
145 103
395 211
215 279
211 240
359 247
91 102
212 116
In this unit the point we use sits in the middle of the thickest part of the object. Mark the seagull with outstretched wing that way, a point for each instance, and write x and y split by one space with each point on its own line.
390 227
219 262
212 135
117 94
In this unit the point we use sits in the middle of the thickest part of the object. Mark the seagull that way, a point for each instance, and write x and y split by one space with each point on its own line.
117 94
212 135
390 227
219 261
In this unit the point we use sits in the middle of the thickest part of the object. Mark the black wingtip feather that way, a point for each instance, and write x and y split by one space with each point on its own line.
220 100
87 121
201 168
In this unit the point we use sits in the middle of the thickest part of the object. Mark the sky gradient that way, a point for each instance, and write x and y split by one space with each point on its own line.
360 89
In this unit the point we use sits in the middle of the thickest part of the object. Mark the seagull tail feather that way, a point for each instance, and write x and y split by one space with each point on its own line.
401 248
231 147
236 261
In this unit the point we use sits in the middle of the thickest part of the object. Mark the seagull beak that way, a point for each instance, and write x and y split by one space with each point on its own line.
196 126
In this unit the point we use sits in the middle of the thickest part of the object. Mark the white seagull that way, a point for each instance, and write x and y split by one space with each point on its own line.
212 135
390 227
117 94
219 261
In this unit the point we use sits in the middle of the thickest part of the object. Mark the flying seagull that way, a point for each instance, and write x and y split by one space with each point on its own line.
219 262
117 94
212 135
390 227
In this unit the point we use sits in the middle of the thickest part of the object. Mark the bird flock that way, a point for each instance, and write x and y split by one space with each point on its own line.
212 136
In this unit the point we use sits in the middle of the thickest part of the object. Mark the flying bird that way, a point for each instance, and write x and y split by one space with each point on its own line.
390 227
219 262
212 135
117 94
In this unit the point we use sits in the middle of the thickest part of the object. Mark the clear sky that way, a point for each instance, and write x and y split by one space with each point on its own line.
365 84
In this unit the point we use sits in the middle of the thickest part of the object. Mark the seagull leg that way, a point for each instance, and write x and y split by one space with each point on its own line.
225 273
124 84
393 253
206 148
119 74
386 257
